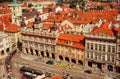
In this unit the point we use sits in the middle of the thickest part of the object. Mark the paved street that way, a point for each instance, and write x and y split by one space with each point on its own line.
18 61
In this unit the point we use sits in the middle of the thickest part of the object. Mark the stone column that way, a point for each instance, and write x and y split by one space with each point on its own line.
45 55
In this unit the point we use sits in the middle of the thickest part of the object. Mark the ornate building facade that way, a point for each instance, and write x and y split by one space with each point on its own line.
100 47
39 40
70 48
118 51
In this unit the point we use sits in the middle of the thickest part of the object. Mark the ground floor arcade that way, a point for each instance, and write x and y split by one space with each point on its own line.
70 60
39 53
100 65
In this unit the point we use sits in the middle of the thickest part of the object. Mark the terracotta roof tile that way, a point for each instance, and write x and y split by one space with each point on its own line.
30 24
56 77
47 25
117 29
12 28
104 29
78 40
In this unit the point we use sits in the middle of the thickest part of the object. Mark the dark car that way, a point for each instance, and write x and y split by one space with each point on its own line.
88 71
38 72
50 62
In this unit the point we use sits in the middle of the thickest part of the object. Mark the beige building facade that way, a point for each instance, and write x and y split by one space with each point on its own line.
5 44
70 50
39 40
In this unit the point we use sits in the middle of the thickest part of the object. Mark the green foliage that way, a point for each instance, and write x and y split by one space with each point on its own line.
23 10
77 2
30 5
100 8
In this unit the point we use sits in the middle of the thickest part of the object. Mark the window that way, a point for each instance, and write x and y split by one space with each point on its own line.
104 48
108 57
99 47
113 49
109 48
95 56
103 57
73 55
66 53
91 46
81 56
112 58
87 52
91 55
95 46
87 55
87 45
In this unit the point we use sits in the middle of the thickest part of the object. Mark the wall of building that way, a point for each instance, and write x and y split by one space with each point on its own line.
73 54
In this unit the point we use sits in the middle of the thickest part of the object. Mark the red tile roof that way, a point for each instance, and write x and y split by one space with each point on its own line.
104 29
5 10
106 6
56 77
92 3
109 15
30 24
6 18
52 18
117 29
1 25
12 28
47 25
78 40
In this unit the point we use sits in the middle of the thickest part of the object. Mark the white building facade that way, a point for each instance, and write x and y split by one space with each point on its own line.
5 44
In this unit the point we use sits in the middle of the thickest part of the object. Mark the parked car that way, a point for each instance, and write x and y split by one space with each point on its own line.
88 71
51 62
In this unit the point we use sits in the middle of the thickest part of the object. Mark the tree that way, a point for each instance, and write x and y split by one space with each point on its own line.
100 8
73 3
30 5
